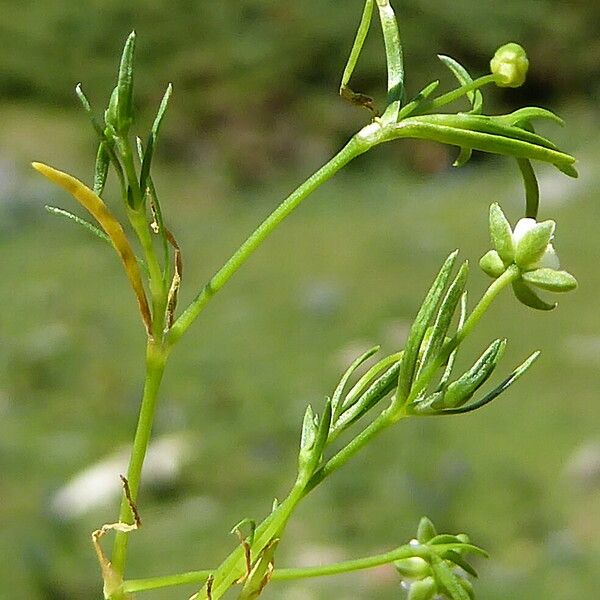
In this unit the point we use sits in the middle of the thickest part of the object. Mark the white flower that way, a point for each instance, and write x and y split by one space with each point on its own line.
549 259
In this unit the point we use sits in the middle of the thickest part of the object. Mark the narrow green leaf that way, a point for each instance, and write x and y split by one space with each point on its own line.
309 430
416 102
393 52
496 144
518 372
551 280
336 399
532 189
444 538
463 157
422 321
357 46
101 168
462 75
461 390
162 109
88 109
530 113
376 392
53 210
450 364
367 379
432 346
125 86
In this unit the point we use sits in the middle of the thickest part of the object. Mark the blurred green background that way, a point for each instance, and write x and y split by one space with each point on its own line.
254 112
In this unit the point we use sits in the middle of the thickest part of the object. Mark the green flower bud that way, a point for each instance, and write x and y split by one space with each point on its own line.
491 264
501 233
551 280
426 589
413 568
532 242
426 530
510 65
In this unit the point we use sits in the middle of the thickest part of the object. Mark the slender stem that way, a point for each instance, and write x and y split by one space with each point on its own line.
453 95
352 149
156 357
233 567
366 435
369 562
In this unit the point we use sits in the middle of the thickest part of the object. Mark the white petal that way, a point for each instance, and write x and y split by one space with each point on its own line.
521 228
550 259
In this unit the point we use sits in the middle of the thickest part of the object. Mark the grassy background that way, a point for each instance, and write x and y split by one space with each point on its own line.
348 270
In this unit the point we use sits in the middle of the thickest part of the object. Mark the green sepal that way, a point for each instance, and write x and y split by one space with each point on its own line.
422 321
525 295
462 390
551 280
444 538
516 374
336 399
501 234
462 75
425 589
426 531
414 567
101 168
447 580
111 114
532 246
432 344
459 561
491 264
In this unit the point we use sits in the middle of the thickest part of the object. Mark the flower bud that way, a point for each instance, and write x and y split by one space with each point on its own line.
532 242
510 65
425 589
491 264
413 568
426 530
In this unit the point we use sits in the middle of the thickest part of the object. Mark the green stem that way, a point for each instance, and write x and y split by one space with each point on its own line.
359 564
359 40
352 149
364 437
433 105
233 567
156 357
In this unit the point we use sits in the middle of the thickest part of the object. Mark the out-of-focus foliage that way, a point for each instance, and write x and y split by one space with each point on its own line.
268 69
